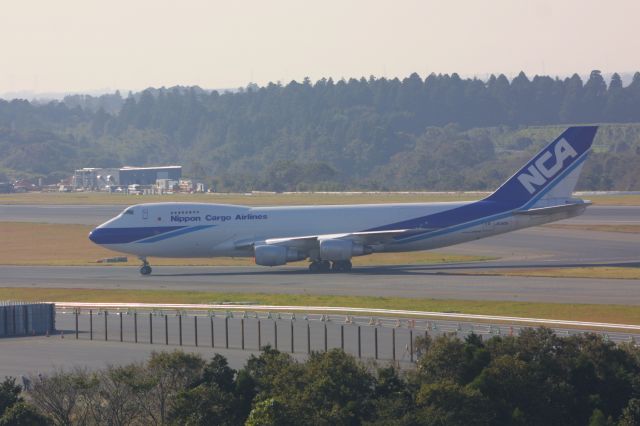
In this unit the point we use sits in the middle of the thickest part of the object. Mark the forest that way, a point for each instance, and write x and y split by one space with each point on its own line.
442 132
536 378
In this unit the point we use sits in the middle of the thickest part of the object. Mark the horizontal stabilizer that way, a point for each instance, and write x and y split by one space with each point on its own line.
553 209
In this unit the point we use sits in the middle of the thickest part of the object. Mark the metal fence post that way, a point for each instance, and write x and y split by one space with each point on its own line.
308 337
195 328
292 343
259 336
359 343
325 337
166 329
77 331
393 343
106 334
411 345
242 333
226 332
212 336
151 327
275 333
90 324
375 341
135 327
342 337
180 329
120 315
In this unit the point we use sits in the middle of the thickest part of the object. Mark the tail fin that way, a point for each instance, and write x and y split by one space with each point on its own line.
551 176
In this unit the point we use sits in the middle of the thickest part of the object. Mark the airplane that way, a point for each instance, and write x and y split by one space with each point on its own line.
330 236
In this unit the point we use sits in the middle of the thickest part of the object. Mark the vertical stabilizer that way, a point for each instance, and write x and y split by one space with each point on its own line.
551 176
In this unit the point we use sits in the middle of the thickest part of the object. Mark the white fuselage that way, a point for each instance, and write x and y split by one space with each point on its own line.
210 230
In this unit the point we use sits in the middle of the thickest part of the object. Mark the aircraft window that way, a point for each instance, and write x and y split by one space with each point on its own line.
128 211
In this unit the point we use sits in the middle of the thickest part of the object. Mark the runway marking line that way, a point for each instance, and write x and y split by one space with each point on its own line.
424 314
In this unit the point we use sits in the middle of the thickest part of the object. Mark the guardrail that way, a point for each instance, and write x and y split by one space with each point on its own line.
251 327
367 311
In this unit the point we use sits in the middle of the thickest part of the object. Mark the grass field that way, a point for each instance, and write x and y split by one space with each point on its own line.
627 229
58 244
252 199
264 199
620 314
631 272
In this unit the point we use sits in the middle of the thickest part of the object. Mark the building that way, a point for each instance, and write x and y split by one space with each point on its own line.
148 175
99 179
95 179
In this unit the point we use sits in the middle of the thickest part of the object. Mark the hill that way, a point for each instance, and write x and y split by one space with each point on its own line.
438 133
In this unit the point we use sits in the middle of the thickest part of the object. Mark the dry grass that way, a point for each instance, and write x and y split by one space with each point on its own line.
58 244
602 272
627 229
251 199
615 200
619 314
264 199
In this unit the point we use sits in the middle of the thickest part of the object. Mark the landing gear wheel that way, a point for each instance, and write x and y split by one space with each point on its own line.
145 269
320 266
341 266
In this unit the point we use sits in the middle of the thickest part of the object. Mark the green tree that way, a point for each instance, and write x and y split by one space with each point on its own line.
23 414
447 403
9 394
631 413
269 412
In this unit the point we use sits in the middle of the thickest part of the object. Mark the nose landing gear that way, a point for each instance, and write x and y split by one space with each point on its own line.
145 269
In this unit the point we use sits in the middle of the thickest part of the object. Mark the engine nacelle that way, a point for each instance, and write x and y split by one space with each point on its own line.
341 249
268 255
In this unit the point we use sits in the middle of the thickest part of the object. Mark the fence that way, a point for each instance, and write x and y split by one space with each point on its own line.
364 337
26 319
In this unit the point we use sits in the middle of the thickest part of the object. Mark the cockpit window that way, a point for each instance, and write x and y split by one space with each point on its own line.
128 211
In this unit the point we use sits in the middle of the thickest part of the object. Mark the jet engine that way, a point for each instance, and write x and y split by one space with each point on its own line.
341 249
270 255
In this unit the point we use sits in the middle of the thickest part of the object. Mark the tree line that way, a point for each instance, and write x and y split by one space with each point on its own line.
537 378
456 133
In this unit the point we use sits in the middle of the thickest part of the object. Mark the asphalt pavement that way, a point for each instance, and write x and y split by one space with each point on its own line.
97 214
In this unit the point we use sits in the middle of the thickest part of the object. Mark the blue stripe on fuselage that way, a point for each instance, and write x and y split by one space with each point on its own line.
447 218
175 233
109 235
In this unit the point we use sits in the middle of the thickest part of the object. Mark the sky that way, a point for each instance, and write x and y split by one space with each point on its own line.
89 46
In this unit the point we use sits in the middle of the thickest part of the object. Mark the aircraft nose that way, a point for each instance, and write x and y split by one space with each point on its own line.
100 235
93 236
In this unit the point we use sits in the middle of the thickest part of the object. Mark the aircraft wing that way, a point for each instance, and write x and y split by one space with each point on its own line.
308 242
365 238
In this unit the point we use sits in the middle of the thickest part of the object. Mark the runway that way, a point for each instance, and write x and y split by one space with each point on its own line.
97 214
441 282
525 249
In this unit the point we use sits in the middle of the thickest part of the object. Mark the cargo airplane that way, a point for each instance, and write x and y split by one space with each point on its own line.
330 236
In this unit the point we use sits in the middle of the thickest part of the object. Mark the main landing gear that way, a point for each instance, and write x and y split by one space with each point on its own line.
145 269
326 266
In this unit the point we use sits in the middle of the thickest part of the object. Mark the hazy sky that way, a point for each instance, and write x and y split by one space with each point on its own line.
87 45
